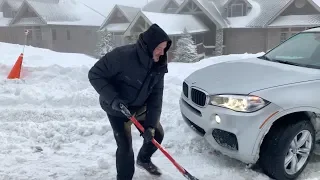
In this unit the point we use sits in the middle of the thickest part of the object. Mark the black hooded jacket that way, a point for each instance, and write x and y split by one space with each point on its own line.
129 73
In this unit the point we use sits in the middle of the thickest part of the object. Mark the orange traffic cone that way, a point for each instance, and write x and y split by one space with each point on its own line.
16 69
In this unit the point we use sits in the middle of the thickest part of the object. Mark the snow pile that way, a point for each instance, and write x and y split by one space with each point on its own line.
52 126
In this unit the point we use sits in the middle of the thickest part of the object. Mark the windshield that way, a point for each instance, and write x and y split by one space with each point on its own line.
301 50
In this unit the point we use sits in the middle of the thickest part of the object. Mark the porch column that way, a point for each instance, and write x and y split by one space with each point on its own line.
219 42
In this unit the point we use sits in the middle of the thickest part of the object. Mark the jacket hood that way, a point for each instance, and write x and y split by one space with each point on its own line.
151 38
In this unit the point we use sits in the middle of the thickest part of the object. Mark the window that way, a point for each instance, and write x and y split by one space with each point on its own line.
37 32
301 50
237 10
288 32
54 34
29 36
68 35
283 37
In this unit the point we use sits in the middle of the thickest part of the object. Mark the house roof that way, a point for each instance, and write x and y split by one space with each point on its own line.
268 11
179 1
127 11
176 24
158 5
62 13
211 8
262 12
296 20
15 4
4 21
254 18
154 6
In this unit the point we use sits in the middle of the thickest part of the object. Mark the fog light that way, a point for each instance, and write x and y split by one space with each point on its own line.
218 119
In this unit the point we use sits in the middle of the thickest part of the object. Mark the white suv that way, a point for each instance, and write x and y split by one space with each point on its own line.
263 109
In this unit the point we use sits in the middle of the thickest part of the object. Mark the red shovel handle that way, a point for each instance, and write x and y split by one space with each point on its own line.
185 173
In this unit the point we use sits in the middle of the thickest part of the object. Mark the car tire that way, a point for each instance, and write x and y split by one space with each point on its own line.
276 148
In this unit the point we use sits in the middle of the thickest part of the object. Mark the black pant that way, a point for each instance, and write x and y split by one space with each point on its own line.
124 154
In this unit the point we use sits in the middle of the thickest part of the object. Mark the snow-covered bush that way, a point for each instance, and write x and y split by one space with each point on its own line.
186 49
105 43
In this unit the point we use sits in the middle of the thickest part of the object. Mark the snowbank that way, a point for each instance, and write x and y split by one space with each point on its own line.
53 128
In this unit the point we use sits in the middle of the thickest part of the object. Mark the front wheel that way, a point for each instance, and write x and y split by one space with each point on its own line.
286 150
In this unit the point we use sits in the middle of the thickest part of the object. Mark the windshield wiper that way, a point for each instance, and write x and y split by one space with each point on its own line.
296 64
264 57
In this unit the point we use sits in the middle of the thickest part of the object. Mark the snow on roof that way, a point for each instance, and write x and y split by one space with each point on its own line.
317 2
29 21
211 9
119 27
106 6
262 12
54 11
129 12
15 4
4 21
296 20
154 6
269 9
179 2
63 13
174 24
243 21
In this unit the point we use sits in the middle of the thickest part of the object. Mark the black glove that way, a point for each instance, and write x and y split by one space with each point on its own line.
116 104
148 134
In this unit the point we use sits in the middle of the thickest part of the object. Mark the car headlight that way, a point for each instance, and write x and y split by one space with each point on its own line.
242 103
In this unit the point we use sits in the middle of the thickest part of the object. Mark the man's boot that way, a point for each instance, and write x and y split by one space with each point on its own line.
148 166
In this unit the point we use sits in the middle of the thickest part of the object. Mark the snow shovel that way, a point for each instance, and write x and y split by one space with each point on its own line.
184 172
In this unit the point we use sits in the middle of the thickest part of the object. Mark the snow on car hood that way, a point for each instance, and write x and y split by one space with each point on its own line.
248 75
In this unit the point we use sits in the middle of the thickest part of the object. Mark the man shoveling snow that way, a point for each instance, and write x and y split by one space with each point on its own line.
133 75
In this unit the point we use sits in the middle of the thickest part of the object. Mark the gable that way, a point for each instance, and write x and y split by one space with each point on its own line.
140 25
190 8
27 15
7 10
28 12
4 5
171 7
237 8
117 17
300 7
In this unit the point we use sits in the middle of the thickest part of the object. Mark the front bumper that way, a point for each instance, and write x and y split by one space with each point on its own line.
235 136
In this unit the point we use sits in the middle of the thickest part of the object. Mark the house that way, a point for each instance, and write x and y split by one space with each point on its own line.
229 26
118 21
174 27
63 26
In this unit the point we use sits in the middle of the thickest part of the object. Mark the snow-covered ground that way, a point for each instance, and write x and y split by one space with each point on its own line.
52 127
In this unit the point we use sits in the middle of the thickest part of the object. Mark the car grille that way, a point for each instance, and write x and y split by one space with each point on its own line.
198 97
185 89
